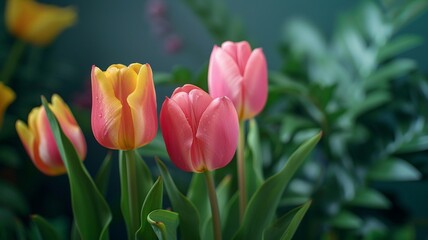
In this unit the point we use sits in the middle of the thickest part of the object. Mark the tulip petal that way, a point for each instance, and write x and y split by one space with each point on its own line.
177 134
255 85
218 133
7 96
106 110
200 101
240 52
224 77
142 102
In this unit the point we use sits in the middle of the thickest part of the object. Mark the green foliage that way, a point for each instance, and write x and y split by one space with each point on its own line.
45 229
164 224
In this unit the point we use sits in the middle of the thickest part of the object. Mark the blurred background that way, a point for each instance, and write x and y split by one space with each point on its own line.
354 69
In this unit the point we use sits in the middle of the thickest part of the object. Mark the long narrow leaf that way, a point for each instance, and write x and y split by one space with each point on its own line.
285 227
189 216
46 230
103 174
152 202
257 216
91 212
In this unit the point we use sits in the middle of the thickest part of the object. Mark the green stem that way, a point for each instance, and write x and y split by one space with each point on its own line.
131 179
12 61
241 171
214 205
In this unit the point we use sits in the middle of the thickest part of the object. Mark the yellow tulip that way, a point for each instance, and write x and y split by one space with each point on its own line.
7 95
37 23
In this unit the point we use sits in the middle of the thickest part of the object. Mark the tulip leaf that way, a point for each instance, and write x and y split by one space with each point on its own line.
103 174
285 227
257 216
152 202
198 195
189 216
254 175
164 223
45 229
229 227
90 209
136 181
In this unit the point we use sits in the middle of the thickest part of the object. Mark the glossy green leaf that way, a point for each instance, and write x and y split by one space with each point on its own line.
189 216
152 202
90 210
254 164
164 224
393 169
370 198
397 46
388 72
285 227
103 174
257 216
346 220
45 229
198 195
135 178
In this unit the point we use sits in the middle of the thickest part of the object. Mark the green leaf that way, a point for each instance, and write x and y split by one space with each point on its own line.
370 198
283 84
152 202
9 157
253 171
346 220
155 148
397 46
135 178
198 195
164 223
408 11
372 101
416 144
262 206
46 230
230 226
393 169
223 195
161 78
388 72
189 216
103 174
285 227
90 210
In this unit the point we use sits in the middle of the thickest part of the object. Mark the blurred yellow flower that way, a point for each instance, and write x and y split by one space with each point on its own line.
7 95
37 23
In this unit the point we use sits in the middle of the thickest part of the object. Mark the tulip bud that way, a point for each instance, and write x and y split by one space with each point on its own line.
37 23
39 141
7 95
200 132
240 74
124 112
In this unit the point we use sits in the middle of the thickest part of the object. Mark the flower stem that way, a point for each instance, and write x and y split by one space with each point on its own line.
214 205
131 179
12 61
241 171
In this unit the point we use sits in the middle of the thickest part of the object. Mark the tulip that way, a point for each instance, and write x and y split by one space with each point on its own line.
37 23
39 141
7 96
200 132
124 115
240 74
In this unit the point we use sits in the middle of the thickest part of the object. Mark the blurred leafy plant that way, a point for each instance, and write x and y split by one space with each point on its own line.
367 99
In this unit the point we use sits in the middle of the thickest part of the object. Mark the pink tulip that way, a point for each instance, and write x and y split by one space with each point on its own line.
39 141
200 132
124 112
240 74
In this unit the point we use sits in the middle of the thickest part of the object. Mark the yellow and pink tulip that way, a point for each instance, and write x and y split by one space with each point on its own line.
39 142
124 115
